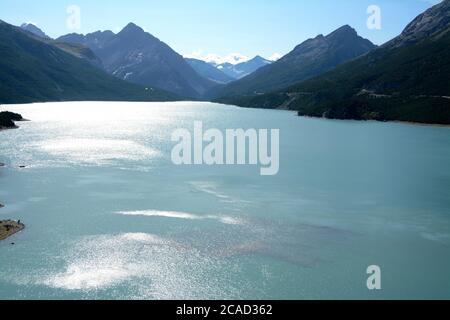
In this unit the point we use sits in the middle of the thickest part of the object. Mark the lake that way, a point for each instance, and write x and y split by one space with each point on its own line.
109 216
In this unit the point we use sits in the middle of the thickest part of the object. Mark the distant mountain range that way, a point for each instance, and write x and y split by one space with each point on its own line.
227 72
209 71
137 56
309 59
243 69
38 69
95 41
406 79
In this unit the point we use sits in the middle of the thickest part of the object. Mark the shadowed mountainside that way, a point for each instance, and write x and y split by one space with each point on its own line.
38 70
309 59
407 79
138 57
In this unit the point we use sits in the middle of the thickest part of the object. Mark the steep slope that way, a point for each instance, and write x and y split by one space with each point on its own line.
34 70
137 56
407 79
307 60
208 71
34 30
79 50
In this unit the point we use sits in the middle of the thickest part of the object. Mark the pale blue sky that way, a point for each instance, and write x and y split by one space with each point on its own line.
248 27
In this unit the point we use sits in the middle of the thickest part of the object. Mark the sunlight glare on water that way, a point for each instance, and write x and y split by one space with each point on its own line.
109 216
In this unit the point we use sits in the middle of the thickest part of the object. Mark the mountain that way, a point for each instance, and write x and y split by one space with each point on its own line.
240 70
309 59
232 58
407 79
34 30
94 41
78 50
36 70
137 56
208 71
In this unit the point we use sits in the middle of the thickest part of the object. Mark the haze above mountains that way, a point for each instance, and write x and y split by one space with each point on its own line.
340 75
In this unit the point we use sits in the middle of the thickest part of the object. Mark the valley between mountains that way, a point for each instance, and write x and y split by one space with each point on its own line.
339 76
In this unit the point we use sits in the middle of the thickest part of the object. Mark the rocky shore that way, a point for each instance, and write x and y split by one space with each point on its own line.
7 119
9 227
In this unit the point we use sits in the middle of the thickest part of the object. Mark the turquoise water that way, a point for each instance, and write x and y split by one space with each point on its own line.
109 216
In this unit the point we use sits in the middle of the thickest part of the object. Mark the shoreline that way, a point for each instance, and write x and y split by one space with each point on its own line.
356 120
440 125
9 228
421 124
280 109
